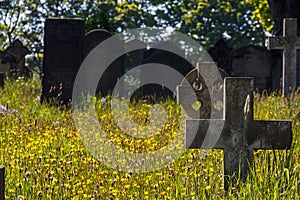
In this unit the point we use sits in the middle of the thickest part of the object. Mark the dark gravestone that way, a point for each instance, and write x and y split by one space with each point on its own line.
276 70
115 70
253 61
93 39
175 60
241 134
62 58
19 51
7 62
134 59
220 54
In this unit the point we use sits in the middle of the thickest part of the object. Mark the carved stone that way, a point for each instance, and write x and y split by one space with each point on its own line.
289 43
241 134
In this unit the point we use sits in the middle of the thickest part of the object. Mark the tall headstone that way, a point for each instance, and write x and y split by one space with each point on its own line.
220 54
253 61
289 43
62 58
115 70
19 51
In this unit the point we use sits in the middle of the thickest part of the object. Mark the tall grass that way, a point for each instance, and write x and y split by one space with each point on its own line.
45 158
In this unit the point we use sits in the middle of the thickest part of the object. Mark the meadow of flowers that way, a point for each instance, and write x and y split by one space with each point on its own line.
45 158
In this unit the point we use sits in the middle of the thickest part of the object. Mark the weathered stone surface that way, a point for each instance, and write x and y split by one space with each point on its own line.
7 62
186 97
289 43
241 133
19 51
253 61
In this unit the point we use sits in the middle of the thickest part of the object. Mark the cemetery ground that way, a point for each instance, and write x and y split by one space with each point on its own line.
45 159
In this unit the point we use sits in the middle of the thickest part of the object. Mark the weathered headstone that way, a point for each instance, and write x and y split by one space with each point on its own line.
19 51
220 54
202 94
241 134
174 60
62 58
7 62
289 43
253 61
114 71
93 39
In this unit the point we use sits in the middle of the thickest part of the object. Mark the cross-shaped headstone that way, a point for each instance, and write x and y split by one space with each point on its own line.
289 43
202 95
241 134
19 51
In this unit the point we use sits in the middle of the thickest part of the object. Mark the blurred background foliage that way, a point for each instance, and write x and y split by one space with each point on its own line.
206 21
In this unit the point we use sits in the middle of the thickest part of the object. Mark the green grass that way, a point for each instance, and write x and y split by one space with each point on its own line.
45 158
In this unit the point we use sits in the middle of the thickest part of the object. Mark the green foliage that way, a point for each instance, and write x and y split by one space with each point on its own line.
11 16
210 20
45 158
240 22
262 13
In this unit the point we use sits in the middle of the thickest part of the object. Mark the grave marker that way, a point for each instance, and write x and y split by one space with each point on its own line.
241 134
253 61
7 62
175 60
115 70
19 51
194 79
134 59
62 58
289 43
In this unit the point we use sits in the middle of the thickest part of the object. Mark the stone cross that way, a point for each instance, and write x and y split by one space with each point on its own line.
289 43
241 134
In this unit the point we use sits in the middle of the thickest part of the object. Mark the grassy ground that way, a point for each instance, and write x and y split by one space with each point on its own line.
45 158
